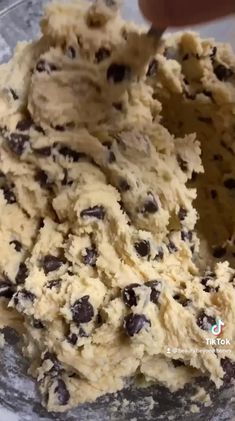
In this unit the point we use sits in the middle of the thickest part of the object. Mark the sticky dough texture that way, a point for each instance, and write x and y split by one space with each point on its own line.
97 192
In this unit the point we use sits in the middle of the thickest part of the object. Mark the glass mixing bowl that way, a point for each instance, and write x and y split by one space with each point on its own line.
19 399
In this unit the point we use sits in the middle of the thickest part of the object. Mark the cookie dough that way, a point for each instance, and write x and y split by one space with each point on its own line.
116 196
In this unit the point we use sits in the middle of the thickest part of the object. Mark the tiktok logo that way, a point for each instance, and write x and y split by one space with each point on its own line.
217 328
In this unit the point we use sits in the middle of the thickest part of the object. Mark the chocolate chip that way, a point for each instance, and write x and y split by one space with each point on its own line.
44 66
218 157
181 299
21 274
219 252
42 178
142 247
70 154
82 310
116 73
97 212
123 185
155 290
9 195
22 295
41 66
107 144
206 120
208 94
213 52
39 129
40 223
178 363
51 263
59 128
111 157
229 369
49 356
152 69
118 106
17 142
205 322
24 124
150 205
172 247
189 95
160 254
182 214
129 295
62 392
90 256
102 54
182 163
185 57
194 176
186 235
45 151
56 368
229 183
134 323
222 72
38 324
14 94
121 204
207 281
71 52
214 194
55 283
72 338
99 319
6 290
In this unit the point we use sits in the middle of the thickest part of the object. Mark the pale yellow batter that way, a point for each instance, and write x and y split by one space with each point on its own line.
107 261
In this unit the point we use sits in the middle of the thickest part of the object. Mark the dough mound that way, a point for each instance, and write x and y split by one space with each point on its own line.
117 191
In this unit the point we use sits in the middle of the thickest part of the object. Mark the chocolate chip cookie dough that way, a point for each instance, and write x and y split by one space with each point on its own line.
117 194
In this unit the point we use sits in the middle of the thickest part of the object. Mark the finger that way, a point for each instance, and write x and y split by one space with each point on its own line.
165 13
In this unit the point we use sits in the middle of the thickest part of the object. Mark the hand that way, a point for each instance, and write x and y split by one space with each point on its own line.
163 13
